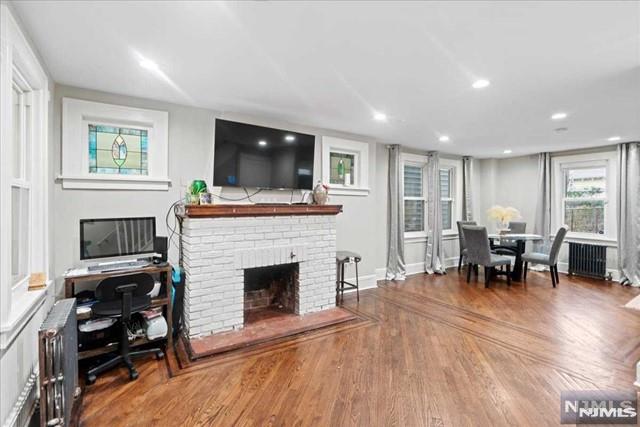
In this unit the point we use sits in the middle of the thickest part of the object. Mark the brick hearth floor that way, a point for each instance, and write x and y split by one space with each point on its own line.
265 326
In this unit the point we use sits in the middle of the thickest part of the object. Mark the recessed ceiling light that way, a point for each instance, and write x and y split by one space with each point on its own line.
149 65
289 138
507 151
481 84
262 143
614 139
559 116
381 117
444 138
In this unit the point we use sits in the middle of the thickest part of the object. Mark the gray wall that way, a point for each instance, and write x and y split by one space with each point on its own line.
361 227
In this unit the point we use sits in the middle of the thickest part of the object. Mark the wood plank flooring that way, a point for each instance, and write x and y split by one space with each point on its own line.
430 351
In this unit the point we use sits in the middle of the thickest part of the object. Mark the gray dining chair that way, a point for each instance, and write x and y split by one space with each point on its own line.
550 259
515 227
463 250
479 253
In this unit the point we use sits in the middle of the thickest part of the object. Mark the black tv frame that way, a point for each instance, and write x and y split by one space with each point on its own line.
92 220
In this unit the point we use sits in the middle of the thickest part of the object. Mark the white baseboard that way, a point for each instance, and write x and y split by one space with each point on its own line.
23 407
416 268
365 282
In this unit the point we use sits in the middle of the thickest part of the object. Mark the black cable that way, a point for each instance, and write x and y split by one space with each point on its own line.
247 197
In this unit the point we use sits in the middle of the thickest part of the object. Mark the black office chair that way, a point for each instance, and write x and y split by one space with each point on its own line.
122 296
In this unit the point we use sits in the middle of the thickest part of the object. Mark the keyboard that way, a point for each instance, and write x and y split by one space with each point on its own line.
118 266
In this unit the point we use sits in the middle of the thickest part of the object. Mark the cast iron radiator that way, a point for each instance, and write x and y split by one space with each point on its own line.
58 348
587 260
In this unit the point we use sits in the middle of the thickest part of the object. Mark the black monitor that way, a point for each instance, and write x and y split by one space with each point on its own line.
114 237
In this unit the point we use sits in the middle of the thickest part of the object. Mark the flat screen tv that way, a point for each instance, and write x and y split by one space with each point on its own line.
261 157
114 237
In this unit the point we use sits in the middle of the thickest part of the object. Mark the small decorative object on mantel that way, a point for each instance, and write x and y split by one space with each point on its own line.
37 281
205 198
502 216
197 187
320 193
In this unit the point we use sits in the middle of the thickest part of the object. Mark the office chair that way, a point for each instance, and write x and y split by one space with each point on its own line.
120 297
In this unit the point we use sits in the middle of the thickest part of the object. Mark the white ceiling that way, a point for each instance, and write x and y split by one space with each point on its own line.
332 64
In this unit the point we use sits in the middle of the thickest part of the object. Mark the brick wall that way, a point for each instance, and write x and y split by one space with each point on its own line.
217 250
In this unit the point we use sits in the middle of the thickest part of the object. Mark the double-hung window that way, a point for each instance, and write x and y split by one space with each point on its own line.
21 97
584 189
415 195
446 196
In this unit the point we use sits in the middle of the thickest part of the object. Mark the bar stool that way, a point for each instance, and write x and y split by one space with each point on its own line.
342 258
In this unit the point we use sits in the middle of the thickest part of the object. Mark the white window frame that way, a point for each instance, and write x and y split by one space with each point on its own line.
455 167
19 64
77 114
419 161
579 161
360 152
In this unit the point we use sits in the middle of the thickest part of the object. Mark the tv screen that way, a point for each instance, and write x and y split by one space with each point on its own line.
112 237
256 156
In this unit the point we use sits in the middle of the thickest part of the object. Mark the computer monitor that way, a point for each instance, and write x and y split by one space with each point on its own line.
116 237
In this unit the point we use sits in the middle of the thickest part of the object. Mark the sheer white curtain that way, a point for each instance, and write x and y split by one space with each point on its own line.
434 258
629 213
396 269
542 225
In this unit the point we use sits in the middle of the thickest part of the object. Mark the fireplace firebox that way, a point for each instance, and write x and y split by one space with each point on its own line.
272 289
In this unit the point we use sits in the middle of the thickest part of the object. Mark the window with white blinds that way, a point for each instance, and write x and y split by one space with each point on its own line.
414 198
446 197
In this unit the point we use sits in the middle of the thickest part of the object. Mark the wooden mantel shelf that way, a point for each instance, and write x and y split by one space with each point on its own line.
215 211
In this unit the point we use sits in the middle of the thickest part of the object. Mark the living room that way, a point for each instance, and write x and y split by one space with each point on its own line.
349 212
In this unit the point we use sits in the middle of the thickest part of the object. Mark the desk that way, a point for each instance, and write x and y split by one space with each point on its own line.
161 301
521 240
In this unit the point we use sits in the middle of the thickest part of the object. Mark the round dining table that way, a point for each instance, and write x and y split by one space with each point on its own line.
517 250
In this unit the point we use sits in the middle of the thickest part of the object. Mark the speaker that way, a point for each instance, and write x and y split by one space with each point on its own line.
160 247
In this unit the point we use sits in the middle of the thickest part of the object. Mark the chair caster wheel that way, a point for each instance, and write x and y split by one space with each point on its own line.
159 355
133 375
91 379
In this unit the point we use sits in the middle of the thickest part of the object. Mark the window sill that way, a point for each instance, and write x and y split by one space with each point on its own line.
347 191
23 308
415 237
122 182
578 238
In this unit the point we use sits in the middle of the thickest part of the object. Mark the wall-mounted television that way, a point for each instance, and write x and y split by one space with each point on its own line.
256 156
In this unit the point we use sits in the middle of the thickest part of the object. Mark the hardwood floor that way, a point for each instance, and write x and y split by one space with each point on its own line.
433 350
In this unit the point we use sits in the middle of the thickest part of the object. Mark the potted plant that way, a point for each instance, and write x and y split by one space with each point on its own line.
193 195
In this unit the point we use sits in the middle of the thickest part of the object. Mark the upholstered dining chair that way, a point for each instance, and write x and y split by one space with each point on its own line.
463 250
479 253
550 259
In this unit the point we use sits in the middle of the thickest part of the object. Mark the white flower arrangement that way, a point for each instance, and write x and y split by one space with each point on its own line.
503 215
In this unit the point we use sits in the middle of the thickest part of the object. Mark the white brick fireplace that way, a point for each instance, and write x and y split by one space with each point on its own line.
217 250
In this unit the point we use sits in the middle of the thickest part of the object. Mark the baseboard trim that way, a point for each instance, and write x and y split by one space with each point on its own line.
24 406
365 282
416 268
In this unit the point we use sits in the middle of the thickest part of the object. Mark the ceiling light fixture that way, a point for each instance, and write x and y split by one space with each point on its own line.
444 138
289 138
614 139
559 116
481 84
262 143
381 117
149 65
507 152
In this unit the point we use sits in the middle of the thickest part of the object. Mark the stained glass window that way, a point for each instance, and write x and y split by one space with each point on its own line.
118 150
342 168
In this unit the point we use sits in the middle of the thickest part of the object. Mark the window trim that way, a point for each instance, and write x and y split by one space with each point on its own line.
599 159
455 166
77 114
360 151
420 161
19 65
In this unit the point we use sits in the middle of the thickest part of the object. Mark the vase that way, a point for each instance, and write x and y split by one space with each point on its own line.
320 195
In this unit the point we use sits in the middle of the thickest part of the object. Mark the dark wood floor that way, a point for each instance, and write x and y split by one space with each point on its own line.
430 351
